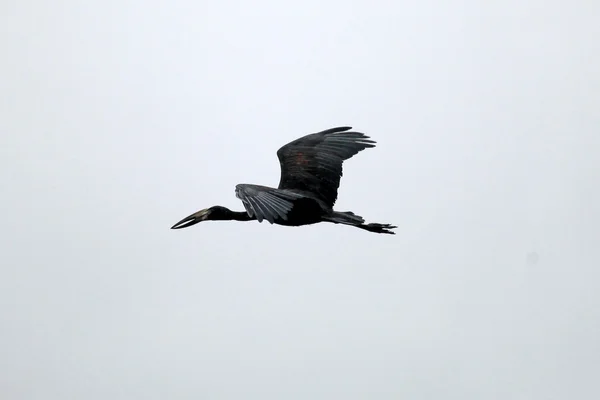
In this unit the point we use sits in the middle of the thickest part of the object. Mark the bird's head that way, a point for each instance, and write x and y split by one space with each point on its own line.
207 214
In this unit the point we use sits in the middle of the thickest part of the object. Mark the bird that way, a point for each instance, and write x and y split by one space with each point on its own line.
311 169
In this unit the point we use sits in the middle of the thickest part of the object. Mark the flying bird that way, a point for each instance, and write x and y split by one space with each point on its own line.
311 168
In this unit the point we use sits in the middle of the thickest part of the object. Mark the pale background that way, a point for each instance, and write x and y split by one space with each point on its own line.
119 118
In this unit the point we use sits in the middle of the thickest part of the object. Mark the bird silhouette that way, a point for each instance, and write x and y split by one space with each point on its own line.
311 169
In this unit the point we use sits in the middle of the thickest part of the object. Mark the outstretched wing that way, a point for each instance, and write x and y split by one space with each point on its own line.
313 163
265 202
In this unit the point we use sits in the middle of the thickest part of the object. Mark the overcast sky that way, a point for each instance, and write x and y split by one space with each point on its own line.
119 118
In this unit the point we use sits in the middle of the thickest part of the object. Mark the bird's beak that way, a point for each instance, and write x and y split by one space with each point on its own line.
191 220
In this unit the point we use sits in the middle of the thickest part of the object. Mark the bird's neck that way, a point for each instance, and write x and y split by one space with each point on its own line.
238 216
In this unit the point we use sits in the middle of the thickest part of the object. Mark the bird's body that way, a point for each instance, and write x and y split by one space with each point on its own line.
311 169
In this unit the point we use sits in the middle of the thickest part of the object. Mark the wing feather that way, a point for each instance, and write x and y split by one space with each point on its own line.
313 163
265 202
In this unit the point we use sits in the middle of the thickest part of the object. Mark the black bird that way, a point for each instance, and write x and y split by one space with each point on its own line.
311 168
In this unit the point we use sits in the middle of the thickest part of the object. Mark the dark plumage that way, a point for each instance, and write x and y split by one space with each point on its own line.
311 169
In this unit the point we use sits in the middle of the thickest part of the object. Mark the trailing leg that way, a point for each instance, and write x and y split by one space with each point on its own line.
349 218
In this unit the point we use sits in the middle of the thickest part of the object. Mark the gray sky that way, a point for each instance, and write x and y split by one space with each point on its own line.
118 118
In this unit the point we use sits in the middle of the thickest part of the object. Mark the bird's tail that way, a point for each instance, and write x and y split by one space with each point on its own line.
349 218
